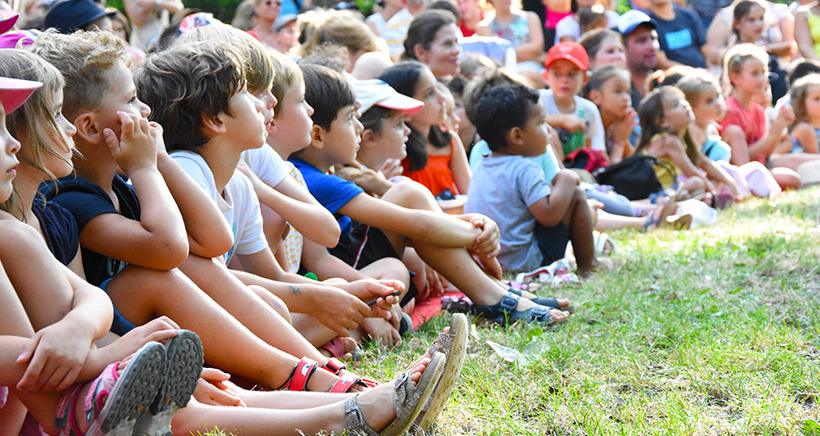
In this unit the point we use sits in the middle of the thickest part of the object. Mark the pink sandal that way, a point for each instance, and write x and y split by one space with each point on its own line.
114 402
306 367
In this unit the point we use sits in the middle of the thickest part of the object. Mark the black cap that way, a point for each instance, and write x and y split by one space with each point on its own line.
68 16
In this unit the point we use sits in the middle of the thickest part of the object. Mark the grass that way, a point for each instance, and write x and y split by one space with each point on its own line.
711 331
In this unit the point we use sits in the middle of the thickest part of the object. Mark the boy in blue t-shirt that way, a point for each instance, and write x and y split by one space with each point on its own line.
536 218
680 32
406 215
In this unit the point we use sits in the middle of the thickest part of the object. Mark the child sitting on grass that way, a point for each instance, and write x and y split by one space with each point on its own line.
536 218
406 215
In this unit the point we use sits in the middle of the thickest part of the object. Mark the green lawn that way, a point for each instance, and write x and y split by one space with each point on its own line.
707 331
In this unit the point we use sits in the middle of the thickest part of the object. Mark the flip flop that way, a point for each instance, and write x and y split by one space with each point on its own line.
408 400
454 347
550 302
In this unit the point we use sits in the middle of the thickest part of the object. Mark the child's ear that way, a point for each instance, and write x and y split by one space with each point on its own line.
368 139
87 130
213 126
595 96
317 136
514 136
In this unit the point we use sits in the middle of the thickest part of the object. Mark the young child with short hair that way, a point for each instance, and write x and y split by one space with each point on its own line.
407 214
805 132
576 119
536 218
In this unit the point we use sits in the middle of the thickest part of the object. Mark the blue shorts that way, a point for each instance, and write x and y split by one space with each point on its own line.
552 241
119 325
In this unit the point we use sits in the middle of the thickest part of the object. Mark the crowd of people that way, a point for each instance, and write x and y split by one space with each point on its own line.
202 221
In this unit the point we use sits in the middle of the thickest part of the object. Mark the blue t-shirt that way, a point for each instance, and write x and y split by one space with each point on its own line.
59 229
331 191
682 37
85 200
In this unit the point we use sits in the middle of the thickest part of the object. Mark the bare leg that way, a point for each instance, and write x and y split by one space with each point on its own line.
579 221
142 294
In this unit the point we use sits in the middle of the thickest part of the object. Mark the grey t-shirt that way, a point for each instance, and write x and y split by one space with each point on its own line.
503 188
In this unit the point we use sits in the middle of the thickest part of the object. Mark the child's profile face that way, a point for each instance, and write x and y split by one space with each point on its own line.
341 142
121 97
709 107
812 102
752 77
611 52
292 122
268 103
245 126
392 137
535 132
59 165
433 111
615 97
677 113
8 158
750 27
564 78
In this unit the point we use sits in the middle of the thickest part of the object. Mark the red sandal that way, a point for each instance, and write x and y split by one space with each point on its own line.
306 367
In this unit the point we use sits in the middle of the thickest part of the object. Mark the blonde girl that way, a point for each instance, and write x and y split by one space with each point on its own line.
665 119
805 98
744 127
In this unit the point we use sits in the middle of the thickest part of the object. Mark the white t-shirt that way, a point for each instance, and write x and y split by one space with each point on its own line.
377 20
238 203
395 32
569 26
266 164
584 109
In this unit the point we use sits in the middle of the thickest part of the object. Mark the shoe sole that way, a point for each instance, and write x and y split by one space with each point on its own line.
133 392
183 366
459 327
424 389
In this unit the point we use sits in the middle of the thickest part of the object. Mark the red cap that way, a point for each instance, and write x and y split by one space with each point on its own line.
569 50
7 20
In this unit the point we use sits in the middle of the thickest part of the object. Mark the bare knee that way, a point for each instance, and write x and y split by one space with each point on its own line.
786 178
273 301
411 194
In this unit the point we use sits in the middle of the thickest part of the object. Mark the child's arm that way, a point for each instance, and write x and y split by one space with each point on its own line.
766 145
459 165
434 227
620 132
57 352
208 232
804 134
160 228
319 261
551 209
296 206
570 122
532 49
717 174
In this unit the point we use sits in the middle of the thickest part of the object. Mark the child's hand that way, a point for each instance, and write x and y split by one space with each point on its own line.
156 131
381 331
623 127
136 147
212 389
380 291
391 168
54 357
573 123
157 330
785 118
487 242
339 310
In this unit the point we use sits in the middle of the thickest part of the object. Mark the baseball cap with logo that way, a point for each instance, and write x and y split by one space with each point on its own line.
630 20
571 51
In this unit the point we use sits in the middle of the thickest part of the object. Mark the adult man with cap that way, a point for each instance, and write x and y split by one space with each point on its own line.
642 48
68 16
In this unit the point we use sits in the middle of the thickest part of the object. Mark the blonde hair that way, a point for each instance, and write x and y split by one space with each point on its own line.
259 72
85 59
342 28
695 86
288 76
798 94
738 55
35 121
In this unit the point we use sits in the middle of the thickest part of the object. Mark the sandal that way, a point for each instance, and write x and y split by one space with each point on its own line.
336 366
114 402
305 368
504 312
408 400
453 345
183 366
550 302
